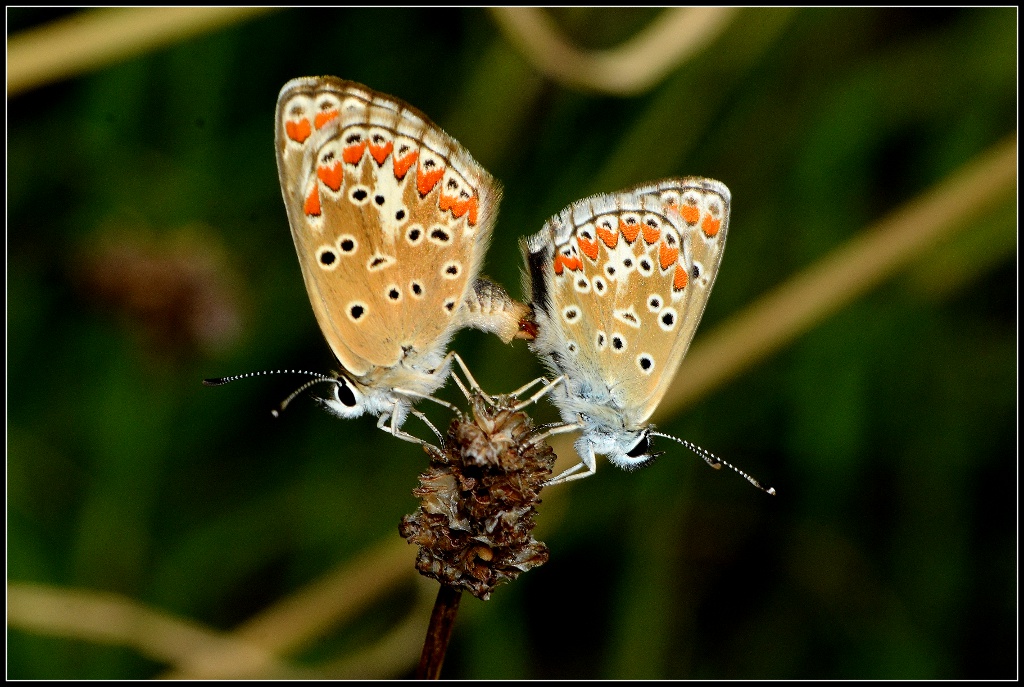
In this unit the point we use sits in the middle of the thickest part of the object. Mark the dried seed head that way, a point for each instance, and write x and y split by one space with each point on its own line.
475 520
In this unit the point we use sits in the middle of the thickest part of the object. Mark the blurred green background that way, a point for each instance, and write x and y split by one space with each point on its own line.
148 248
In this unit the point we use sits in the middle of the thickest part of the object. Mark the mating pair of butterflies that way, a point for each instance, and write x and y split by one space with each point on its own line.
391 218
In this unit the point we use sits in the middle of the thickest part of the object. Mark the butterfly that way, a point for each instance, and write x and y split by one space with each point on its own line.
618 284
391 218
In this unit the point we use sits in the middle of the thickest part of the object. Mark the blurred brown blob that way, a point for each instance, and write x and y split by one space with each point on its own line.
478 501
175 288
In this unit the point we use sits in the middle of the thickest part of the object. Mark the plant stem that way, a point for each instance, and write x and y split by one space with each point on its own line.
439 633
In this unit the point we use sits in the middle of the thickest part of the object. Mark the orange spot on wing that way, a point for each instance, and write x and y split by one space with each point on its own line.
609 236
426 181
298 131
402 166
629 231
458 207
651 235
559 266
354 153
331 176
690 214
380 153
323 117
681 278
710 226
589 248
312 206
667 256
573 263
472 207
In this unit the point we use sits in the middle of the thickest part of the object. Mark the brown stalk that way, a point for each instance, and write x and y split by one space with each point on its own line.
439 633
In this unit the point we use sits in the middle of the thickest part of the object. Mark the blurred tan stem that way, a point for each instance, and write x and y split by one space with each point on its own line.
107 618
633 67
300 619
96 38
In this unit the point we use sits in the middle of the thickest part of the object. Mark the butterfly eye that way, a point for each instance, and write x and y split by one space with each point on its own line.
640 448
344 394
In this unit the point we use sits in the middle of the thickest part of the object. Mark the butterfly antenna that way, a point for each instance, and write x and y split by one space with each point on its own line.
317 379
716 462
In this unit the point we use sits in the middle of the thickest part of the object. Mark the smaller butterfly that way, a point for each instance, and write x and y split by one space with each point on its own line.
618 284
390 217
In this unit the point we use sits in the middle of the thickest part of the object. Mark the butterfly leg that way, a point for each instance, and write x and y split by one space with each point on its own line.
428 423
473 384
537 396
416 394
388 422
524 387
553 430
588 461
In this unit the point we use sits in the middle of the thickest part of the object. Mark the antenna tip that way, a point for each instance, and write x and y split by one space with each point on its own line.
275 413
771 491
213 381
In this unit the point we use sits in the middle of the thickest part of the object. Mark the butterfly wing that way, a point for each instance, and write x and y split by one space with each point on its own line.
390 217
616 294
700 209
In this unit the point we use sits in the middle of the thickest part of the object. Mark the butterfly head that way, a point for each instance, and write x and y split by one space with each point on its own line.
346 400
627 449
349 398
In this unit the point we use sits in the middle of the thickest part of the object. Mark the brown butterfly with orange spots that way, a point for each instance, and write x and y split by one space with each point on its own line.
618 285
391 217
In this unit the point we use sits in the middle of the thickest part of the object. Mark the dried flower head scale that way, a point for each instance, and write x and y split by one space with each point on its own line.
474 525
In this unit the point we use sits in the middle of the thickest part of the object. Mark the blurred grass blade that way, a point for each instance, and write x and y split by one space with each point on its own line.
631 68
108 618
326 603
96 38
